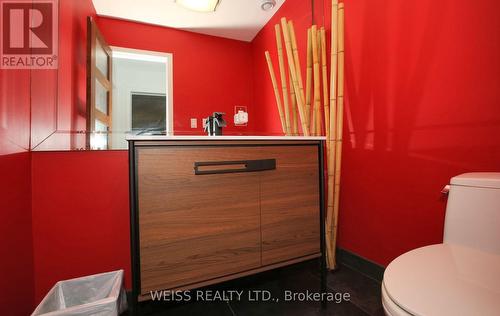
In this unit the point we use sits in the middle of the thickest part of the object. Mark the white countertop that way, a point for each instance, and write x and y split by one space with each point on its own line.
204 137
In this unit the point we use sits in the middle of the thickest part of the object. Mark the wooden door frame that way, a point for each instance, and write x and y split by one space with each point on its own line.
93 73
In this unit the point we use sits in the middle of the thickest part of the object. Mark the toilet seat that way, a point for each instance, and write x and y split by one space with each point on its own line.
390 307
442 280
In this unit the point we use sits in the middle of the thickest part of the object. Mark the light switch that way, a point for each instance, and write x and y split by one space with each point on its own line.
194 123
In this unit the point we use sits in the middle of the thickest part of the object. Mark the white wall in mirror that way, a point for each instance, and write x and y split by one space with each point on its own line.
140 73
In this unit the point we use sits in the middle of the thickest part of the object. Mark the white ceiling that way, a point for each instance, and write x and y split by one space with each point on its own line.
236 19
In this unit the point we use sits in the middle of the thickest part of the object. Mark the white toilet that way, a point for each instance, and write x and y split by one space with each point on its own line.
461 276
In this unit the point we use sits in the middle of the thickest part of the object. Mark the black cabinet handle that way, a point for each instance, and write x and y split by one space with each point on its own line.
239 166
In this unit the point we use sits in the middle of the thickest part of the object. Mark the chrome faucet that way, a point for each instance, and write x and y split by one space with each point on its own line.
215 123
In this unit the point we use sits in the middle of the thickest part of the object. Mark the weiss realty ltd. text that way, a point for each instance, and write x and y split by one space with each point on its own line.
247 295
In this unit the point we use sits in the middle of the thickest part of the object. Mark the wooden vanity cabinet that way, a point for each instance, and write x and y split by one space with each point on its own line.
199 216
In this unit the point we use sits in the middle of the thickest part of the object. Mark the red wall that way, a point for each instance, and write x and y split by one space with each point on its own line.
16 246
423 105
80 215
14 111
210 73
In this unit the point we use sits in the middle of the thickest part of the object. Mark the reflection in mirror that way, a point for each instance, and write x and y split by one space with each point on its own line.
142 82
219 67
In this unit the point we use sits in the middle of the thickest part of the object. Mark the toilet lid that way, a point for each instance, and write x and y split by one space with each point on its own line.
445 280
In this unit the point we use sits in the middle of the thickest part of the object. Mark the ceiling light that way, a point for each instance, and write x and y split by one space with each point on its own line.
199 5
267 4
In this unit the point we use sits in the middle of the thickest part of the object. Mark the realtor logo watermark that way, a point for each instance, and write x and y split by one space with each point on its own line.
29 34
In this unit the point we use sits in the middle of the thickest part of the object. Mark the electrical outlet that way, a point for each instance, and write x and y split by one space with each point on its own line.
194 123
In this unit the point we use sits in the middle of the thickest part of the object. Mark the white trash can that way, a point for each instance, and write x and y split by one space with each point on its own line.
100 294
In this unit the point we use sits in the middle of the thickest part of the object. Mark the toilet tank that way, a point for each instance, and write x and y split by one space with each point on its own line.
473 211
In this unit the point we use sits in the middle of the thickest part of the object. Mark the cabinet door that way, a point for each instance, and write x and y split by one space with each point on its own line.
290 204
194 228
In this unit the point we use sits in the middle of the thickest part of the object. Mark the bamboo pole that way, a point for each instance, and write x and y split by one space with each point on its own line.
299 93
312 125
340 115
283 79
276 91
309 79
295 123
326 107
317 82
296 60
319 114
330 248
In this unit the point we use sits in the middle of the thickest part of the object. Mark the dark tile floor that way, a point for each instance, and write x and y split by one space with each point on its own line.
364 295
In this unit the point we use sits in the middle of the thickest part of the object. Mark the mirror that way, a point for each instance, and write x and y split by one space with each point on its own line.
120 73
142 93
